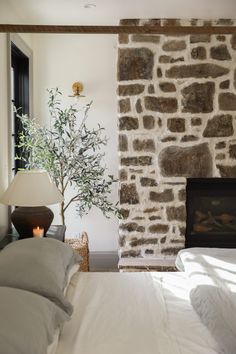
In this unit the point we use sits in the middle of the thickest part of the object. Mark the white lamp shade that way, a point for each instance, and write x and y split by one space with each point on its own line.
32 188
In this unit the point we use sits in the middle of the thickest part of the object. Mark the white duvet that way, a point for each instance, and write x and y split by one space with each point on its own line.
212 276
133 313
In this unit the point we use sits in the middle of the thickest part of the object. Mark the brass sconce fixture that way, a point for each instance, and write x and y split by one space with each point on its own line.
77 88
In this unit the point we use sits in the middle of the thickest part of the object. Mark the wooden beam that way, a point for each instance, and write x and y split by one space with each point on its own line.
148 29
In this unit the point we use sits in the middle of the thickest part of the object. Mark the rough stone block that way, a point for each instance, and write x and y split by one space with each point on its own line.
227 101
163 240
159 73
221 145
123 38
151 22
130 253
167 87
124 105
165 59
220 52
171 250
148 251
176 60
225 22
225 84
138 106
128 123
148 182
204 70
174 45
129 22
123 176
176 213
130 90
168 138
220 38
150 210
171 22
176 125
135 64
190 137
138 218
143 241
162 197
158 229
198 53
124 213
123 142
219 126
196 121
195 161
148 38
161 104
220 156
122 240
148 122
154 217
182 195
136 161
128 194
233 41
144 145
200 38
151 89
227 171
198 98
131 227
232 151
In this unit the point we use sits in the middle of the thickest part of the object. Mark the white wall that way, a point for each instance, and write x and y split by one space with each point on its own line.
59 61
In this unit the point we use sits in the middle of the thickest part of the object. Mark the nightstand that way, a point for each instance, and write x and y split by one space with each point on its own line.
55 231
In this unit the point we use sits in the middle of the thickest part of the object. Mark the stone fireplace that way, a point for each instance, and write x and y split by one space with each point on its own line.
211 212
177 102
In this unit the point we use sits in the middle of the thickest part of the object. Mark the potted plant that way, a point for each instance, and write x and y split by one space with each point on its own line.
71 153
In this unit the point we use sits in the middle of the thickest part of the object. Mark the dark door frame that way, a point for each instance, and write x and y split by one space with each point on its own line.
25 54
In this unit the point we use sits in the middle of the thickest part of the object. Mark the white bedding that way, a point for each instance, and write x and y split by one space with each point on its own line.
133 313
211 273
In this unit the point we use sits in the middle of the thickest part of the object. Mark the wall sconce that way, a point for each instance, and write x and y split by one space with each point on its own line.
77 88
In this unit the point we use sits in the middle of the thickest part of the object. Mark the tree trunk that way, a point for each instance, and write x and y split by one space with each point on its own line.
62 213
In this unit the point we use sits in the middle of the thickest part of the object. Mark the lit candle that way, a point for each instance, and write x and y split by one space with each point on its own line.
38 231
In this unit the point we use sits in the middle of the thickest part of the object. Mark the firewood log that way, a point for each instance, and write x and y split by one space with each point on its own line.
201 228
199 216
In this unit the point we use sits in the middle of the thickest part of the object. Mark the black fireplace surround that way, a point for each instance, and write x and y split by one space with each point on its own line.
211 212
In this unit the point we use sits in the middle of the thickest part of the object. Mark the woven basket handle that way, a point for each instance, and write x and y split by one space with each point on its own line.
84 237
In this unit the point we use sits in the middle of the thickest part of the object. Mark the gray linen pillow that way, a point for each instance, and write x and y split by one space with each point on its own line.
40 265
28 322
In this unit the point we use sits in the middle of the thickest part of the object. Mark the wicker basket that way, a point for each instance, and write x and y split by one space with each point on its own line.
81 245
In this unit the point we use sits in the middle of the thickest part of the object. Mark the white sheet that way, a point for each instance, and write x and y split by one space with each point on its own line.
133 313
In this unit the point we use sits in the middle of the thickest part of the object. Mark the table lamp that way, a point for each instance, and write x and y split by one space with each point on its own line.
30 191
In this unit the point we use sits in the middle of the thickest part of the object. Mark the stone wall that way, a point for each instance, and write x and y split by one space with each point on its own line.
177 102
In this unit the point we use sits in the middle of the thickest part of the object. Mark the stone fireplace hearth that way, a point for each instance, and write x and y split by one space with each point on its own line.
177 102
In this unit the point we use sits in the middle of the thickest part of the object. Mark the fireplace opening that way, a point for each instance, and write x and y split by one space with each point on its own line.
211 212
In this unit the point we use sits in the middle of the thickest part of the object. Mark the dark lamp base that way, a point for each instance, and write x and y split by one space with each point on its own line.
26 218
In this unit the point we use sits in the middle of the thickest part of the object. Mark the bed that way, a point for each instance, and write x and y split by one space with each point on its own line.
72 312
